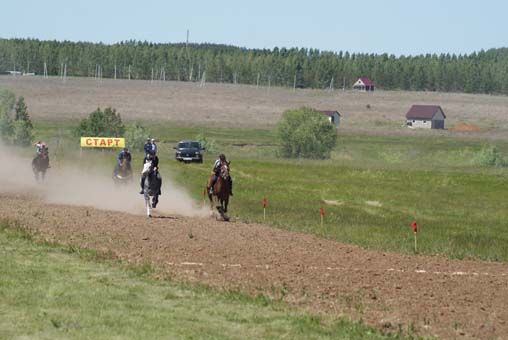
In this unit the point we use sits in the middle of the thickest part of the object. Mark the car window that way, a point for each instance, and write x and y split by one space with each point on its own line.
195 145
183 145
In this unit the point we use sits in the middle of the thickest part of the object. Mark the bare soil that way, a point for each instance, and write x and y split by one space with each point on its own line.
430 295
247 106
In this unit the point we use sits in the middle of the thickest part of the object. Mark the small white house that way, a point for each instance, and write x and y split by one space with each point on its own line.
333 117
425 116
364 84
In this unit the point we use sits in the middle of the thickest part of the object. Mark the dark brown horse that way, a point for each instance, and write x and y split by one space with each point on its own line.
221 190
40 164
122 174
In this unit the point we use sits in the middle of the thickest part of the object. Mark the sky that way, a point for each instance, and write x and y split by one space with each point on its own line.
400 27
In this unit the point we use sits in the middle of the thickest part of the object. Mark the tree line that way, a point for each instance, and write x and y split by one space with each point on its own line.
478 72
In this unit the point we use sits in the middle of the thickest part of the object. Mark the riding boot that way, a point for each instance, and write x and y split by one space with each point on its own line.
211 183
142 183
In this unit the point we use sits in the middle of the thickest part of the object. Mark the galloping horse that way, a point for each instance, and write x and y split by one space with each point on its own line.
152 187
40 164
221 190
122 172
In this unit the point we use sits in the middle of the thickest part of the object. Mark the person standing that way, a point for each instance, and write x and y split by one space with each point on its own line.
154 146
147 147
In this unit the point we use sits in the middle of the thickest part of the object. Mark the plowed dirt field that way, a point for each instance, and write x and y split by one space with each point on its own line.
432 295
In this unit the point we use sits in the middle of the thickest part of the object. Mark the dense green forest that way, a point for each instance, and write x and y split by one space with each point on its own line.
479 72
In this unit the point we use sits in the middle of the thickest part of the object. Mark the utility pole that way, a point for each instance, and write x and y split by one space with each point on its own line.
129 72
294 83
115 71
344 84
45 70
203 79
331 85
257 82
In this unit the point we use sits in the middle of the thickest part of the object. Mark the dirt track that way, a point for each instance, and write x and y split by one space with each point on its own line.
434 295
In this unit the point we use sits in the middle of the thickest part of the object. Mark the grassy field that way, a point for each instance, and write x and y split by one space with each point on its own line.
51 292
371 188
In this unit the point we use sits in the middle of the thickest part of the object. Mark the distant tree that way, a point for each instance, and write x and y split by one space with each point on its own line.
107 123
6 125
23 135
305 133
22 111
135 136
23 127
7 100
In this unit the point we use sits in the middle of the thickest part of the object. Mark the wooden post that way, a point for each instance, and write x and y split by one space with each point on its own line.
416 249
265 203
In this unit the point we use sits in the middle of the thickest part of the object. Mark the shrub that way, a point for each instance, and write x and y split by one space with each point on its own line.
305 133
489 155
135 136
23 127
208 144
23 135
7 99
107 123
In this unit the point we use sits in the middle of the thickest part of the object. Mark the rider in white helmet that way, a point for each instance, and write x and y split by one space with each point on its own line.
216 173
41 148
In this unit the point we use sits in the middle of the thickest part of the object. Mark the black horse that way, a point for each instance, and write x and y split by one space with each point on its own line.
152 188
122 174
40 164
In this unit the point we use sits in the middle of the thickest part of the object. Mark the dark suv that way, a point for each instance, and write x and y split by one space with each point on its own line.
189 151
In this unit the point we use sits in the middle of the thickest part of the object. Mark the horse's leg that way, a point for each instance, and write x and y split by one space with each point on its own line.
226 202
155 201
210 197
147 205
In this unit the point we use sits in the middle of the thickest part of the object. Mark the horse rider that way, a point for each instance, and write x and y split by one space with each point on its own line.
216 173
41 148
148 146
154 146
124 154
150 161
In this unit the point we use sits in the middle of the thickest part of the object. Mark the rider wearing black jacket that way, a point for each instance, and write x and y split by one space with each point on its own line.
154 160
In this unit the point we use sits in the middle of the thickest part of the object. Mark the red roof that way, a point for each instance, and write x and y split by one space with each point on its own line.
366 81
423 111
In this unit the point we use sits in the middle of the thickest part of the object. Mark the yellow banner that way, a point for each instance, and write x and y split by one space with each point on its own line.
102 142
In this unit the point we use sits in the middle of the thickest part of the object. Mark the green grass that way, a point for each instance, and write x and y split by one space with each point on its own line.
52 292
371 189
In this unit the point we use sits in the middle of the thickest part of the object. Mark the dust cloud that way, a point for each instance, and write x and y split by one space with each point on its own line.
70 185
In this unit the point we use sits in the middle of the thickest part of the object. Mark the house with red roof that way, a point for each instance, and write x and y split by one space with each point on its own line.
333 116
364 84
425 116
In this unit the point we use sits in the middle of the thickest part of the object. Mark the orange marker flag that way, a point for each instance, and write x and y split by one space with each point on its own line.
414 226
415 230
321 213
